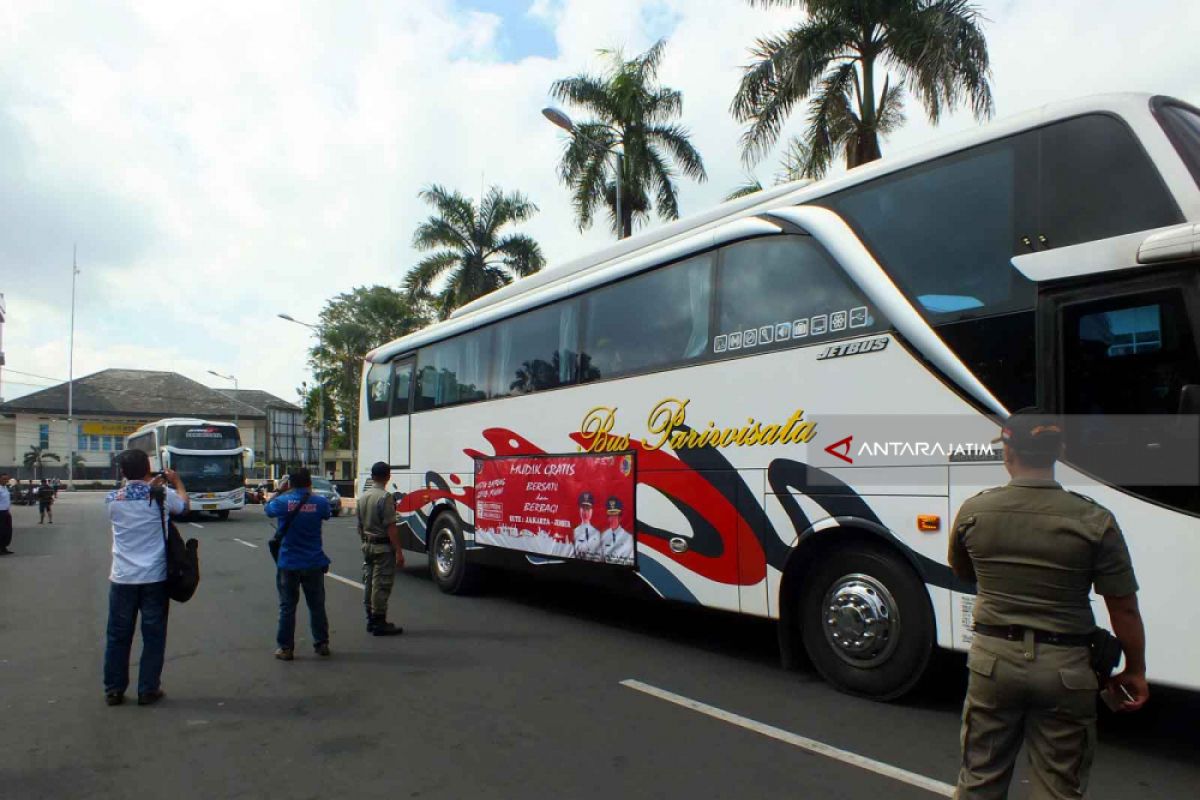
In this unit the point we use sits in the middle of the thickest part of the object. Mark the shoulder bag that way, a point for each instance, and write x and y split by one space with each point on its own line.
183 560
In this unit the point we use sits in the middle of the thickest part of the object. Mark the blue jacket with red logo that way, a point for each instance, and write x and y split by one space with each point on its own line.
301 548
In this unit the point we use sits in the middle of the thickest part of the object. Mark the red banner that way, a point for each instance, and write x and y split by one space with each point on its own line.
571 506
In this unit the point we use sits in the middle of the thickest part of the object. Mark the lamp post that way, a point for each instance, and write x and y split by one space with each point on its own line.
71 436
561 120
320 396
235 389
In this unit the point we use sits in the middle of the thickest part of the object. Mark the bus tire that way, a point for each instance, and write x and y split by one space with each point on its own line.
223 514
866 622
448 564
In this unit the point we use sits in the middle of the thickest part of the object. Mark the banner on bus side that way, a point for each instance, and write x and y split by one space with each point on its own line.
578 506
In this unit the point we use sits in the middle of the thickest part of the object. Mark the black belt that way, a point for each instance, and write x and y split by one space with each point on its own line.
371 538
1016 633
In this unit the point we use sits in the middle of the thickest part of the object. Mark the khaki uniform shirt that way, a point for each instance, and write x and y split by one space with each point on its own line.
376 511
1035 551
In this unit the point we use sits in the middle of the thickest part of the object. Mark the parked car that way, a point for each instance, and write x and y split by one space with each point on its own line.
326 489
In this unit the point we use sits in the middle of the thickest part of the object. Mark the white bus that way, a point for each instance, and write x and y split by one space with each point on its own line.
810 379
208 456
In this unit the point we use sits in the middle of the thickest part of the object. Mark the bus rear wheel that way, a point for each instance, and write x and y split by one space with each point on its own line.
866 622
448 563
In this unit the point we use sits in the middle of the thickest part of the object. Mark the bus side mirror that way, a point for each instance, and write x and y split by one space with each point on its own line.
247 457
1189 399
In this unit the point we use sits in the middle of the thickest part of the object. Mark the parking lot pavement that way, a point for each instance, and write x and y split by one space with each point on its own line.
533 689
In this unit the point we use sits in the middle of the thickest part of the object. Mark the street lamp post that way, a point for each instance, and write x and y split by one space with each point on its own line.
561 120
320 396
235 390
71 437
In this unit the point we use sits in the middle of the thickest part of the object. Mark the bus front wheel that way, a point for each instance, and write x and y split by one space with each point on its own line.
448 563
866 622
224 514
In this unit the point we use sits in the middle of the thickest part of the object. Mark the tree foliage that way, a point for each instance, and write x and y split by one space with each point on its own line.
633 115
934 50
471 254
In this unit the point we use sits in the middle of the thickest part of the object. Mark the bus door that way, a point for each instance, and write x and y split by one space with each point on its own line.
398 420
1119 358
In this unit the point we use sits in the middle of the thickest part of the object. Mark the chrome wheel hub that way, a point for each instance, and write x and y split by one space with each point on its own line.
861 620
444 552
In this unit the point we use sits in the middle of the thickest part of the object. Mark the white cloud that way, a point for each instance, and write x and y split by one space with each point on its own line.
221 163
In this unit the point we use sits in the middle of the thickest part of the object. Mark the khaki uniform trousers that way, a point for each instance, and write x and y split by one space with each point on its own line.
378 574
1040 693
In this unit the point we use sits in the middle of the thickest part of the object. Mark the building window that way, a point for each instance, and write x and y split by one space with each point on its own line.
82 443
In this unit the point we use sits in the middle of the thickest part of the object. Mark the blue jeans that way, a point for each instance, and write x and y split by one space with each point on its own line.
125 600
289 583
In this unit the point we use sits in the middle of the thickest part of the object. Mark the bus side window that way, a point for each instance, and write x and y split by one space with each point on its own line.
401 384
784 291
536 350
656 320
379 387
454 371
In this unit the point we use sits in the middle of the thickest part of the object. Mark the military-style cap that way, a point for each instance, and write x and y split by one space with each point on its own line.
380 470
1031 430
585 499
614 506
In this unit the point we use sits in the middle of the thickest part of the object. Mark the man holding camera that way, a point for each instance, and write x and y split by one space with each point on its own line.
302 562
1035 551
138 581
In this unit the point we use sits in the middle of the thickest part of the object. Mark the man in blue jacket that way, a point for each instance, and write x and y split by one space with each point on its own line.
302 562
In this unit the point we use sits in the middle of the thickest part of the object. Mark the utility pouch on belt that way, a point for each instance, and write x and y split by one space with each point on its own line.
1105 651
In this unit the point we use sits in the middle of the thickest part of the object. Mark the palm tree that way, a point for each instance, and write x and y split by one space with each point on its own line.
474 258
36 456
633 117
934 49
791 168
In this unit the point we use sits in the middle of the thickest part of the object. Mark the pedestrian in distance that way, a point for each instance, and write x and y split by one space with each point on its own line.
5 515
1035 551
138 579
382 554
302 563
45 498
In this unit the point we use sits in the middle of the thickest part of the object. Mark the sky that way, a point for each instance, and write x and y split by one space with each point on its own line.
217 164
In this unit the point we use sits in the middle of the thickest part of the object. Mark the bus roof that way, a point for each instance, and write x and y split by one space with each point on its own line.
687 235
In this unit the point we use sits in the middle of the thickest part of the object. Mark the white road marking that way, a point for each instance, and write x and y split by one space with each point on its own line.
346 581
243 541
804 743
195 525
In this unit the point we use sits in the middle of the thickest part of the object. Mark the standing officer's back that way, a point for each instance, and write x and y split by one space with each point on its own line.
1035 551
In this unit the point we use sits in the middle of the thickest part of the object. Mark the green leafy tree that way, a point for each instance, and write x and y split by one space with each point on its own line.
36 457
791 168
632 115
351 325
472 255
840 54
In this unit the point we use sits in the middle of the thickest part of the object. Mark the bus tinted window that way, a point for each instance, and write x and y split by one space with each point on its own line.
783 292
379 386
655 320
1183 129
1097 182
401 383
454 371
536 351
946 231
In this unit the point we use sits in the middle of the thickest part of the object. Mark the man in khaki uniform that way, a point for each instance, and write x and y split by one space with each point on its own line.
376 511
1035 551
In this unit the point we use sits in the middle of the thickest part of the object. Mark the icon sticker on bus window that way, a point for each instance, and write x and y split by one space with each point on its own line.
783 331
735 340
719 343
750 337
819 324
766 334
800 329
837 321
859 317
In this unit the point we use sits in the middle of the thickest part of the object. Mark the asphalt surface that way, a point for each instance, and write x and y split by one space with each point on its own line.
512 694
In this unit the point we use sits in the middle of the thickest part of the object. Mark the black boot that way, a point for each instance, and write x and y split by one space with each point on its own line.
370 621
382 627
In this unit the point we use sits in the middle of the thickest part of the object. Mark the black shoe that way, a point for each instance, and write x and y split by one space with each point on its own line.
114 698
385 628
322 649
284 654
150 698
6 552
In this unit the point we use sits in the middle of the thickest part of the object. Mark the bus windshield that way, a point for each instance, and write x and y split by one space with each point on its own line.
208 473
203 437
